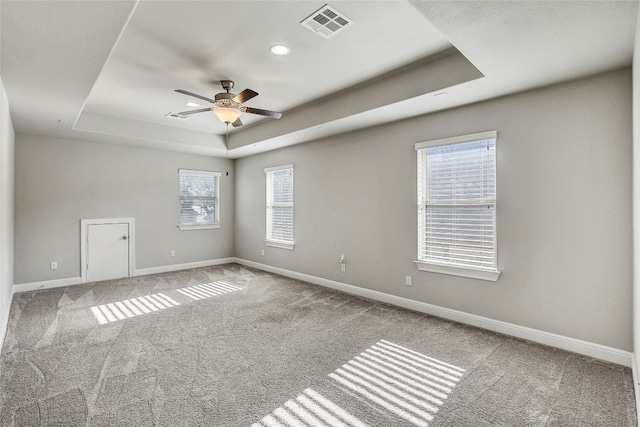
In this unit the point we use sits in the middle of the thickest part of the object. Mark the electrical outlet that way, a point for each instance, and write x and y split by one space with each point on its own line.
54 265
173 252
408 281
262 252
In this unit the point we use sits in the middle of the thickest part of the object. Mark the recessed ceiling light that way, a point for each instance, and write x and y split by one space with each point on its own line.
279 49
192 104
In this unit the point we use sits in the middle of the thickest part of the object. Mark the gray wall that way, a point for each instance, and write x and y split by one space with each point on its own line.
636 196
59 182
564 209
7 144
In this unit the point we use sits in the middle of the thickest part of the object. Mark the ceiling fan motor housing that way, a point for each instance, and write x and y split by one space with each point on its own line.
225 100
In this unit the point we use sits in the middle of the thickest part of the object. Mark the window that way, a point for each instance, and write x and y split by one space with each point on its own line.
280 206
457 206
199 199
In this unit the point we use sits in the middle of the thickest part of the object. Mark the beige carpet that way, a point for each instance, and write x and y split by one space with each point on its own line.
230 346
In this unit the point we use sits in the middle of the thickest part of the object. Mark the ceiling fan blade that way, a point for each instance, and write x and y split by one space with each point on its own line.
272 114
237 123
195 95
201 110
244 96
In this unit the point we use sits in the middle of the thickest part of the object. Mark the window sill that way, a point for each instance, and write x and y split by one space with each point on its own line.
279 244
184 227
491 276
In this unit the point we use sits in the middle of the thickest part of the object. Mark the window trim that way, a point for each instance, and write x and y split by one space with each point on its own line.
491 134
474 273
451 270
281 244
278 168
211 225
186 227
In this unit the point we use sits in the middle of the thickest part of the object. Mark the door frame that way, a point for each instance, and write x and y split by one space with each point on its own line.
84 247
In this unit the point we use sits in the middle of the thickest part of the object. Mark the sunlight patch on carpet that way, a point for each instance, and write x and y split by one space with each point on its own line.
120 310
404 382
208 290
309 409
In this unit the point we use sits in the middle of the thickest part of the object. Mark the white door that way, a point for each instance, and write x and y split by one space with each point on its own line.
107 251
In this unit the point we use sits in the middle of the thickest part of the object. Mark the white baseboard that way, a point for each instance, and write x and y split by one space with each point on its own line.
57 283
597 351
46 284
636 386
186 266
4 321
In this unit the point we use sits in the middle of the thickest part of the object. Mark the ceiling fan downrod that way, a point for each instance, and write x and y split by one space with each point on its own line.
227 85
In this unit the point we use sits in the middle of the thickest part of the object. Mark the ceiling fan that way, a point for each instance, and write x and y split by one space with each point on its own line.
227 106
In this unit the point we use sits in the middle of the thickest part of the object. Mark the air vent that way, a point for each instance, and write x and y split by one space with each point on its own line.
326 21
177 116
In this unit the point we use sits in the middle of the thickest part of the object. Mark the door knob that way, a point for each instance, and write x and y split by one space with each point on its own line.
124 237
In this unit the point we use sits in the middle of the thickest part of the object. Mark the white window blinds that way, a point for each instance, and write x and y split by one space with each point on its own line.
457 201
280 205
199 197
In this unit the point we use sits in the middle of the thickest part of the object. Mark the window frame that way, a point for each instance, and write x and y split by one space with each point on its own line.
201 226
452 269
269 241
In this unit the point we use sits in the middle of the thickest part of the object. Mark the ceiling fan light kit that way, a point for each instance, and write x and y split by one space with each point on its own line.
227 115
228 106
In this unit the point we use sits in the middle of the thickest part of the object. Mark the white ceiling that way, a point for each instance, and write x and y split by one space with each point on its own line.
106 71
